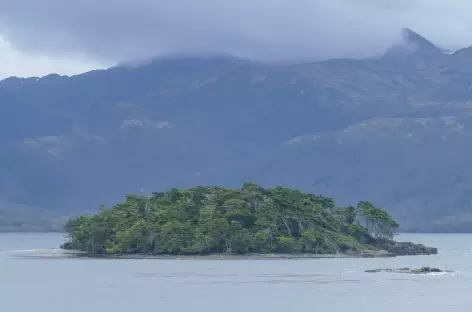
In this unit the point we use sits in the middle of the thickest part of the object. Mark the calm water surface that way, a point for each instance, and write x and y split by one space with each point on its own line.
34 279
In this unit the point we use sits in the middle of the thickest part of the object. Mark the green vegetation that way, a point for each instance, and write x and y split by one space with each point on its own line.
207 220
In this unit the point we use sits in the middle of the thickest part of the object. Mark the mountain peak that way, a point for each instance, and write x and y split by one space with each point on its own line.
409 34
414 46
411 37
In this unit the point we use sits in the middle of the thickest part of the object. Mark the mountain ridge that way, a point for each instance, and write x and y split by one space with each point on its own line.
73 143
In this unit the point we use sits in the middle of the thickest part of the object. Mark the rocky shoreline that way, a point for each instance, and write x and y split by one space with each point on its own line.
387 249
406 248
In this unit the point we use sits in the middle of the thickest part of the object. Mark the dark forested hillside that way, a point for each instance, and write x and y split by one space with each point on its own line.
394 130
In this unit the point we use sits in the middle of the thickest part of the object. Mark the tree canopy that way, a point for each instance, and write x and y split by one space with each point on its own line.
252 219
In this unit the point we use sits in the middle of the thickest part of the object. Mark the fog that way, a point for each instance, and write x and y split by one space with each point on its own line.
107 32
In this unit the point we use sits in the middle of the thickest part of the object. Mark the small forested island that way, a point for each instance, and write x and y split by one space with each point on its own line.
250 220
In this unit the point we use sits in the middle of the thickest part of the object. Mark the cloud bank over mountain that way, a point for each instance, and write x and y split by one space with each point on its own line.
106 32
14 62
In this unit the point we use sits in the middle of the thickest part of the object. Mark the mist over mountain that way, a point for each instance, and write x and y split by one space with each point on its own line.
393 130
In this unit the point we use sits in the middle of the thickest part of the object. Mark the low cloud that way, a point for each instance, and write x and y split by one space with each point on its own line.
14 62
123 30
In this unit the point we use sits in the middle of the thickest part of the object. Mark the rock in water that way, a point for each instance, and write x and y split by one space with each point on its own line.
423 270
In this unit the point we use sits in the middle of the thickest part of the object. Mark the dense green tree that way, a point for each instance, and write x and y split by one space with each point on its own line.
377 221
207 220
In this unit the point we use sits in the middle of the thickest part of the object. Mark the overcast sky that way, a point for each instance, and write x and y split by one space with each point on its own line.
71 36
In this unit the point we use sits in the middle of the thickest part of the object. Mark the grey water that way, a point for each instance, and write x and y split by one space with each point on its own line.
34 277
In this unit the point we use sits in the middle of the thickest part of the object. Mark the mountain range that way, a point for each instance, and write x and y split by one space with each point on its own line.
393 130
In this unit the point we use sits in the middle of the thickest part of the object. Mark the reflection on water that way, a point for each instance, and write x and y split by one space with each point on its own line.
53 280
